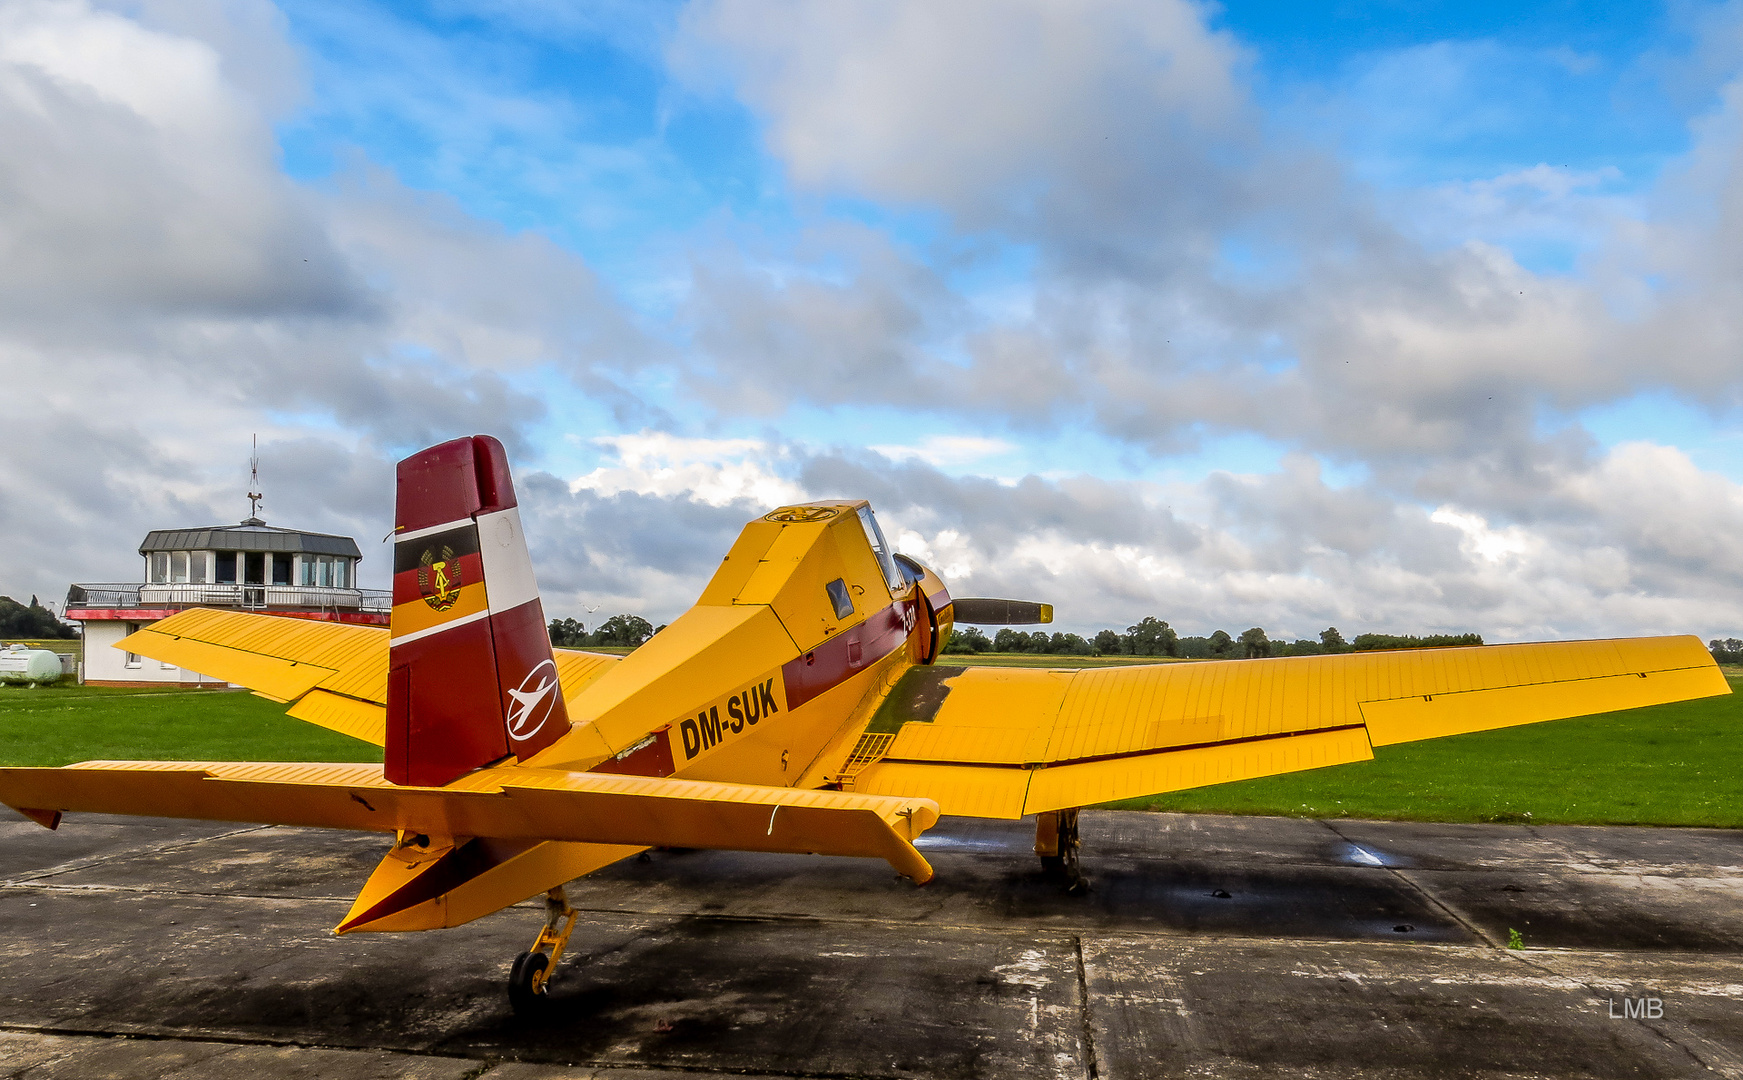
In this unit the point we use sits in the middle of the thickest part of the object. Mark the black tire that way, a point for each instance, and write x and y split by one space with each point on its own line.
1063 867
525 1001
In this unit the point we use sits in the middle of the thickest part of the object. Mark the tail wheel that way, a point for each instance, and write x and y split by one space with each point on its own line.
526 983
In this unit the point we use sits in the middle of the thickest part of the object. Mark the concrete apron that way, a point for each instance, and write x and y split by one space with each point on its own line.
1210 946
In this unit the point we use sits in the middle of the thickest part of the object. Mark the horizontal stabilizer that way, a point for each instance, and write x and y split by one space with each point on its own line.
507 804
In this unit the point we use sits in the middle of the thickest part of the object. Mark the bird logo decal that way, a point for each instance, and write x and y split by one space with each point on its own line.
525 714
439 578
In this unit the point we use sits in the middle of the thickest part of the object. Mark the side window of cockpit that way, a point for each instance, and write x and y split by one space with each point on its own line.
892 575
839 597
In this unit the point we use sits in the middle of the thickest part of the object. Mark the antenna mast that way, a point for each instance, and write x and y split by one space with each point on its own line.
254 495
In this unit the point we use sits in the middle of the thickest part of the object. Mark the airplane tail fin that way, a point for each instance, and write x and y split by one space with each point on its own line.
471 678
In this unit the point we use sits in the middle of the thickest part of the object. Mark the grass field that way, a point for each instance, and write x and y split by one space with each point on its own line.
75 646
58 725
1676 764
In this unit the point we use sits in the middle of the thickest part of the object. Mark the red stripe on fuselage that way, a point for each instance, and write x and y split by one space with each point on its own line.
653 758
847 654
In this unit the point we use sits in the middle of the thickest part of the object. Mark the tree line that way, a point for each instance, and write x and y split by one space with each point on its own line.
1149 637
619 631
31 622
1153 637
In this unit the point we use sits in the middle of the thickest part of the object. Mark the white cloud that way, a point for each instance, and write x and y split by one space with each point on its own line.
1492 545
718 472
168 292
137 179
947 451
948 103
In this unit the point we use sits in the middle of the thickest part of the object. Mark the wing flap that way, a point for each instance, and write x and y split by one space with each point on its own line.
508 804
1091 782
363 720
965 790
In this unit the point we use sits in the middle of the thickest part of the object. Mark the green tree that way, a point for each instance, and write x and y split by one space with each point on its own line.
1726 651
1152 637
31 622
1194 648
1107 643
1221 645
1332 640
971 640
624 631
1069 645
568 633
1254 643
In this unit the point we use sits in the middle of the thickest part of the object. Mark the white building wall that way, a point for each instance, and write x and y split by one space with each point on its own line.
103 663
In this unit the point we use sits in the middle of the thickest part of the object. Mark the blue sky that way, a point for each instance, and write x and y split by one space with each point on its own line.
573 127
1411 316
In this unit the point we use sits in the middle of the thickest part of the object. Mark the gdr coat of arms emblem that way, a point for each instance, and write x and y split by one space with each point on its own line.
439 578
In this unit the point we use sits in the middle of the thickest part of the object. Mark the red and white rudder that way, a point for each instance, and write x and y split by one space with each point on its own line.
471 678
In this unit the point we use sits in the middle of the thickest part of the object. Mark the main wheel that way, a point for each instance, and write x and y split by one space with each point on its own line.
521 995
1063 866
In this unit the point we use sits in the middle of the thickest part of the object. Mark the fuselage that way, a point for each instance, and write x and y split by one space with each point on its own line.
773 674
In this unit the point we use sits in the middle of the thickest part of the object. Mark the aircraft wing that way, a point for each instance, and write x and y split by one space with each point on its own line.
505 804
1005 742
331 674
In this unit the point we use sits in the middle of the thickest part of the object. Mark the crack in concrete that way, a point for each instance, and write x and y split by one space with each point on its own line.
1421 890
231 1039
1092 1068
1718 1059
1484 942
97 860
485 1065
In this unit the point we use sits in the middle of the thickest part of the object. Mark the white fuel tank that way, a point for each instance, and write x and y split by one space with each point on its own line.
21 665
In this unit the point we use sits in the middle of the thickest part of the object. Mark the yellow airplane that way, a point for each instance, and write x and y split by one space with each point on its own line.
794 708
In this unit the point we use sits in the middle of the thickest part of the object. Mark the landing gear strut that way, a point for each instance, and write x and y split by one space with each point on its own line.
1057 843
533 969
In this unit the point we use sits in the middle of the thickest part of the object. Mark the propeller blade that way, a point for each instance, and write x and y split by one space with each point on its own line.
988 612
